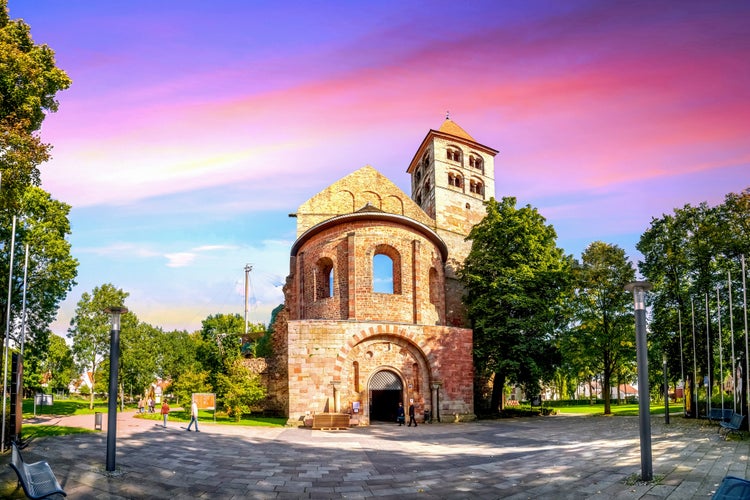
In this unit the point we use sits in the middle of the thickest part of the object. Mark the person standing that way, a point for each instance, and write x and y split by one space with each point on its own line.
140 405
193 416
400 418
165 412
412 420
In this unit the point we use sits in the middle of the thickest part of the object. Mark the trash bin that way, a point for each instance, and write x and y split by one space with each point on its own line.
427 417
98 421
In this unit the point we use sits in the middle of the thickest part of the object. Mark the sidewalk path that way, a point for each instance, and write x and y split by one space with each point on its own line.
560 457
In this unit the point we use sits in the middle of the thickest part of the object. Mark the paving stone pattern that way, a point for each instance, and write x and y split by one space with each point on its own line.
559 457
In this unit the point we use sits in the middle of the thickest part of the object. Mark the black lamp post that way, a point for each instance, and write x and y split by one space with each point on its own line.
639 289
114 361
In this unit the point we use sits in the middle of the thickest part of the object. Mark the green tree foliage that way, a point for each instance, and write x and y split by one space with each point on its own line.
59 364
29 82
241 389
189 382
602 339
688 255
140 347
176 354
221 337
516 279
90 328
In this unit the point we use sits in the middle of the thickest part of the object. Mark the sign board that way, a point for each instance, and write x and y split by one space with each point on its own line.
43 399
205 400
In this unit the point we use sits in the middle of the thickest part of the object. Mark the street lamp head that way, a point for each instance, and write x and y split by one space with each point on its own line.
639 289
114 315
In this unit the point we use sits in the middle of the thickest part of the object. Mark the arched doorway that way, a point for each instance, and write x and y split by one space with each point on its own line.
386 390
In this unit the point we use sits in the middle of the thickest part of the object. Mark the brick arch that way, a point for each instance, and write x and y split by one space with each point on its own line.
391 333
393 204
344 198
370 197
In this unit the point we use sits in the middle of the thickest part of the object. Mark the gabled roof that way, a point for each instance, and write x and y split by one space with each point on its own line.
451 128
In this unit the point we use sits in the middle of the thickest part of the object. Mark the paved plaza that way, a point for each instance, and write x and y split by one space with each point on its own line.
565 457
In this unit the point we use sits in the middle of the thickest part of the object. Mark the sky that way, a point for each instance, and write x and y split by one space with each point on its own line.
193 129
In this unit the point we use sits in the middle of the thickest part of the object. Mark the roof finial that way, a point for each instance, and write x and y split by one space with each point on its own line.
448 115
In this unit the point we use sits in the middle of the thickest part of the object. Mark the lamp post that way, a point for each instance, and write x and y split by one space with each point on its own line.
114 361
639 289
666 388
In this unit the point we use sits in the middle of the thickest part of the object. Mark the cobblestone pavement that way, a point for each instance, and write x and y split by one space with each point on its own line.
559 457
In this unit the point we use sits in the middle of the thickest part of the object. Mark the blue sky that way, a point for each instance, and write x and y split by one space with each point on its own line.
192 128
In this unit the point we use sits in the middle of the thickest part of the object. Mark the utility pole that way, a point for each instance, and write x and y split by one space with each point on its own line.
248 268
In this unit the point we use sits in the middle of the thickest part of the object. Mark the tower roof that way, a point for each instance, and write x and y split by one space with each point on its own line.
451 128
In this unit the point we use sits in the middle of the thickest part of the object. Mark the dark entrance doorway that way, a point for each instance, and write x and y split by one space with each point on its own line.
386 390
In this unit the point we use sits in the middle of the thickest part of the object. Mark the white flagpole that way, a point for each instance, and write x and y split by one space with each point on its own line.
23 313
682 367
7 330
731 335
708 360
747 350
721 356
694 392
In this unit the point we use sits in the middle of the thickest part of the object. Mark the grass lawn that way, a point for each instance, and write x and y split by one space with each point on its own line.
180 415
624 409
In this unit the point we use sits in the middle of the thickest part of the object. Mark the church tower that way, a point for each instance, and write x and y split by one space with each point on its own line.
451 177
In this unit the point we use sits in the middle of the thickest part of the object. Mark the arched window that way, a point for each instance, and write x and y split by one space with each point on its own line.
454 180
476 187
323 278
386 270
453 154
476 162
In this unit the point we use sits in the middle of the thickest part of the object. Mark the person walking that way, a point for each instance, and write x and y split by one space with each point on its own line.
193 416
412 420
400 418
165 412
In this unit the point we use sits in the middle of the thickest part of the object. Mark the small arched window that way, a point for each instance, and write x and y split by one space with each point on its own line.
323 278
454 180
386 270
453 154
476 187
476 162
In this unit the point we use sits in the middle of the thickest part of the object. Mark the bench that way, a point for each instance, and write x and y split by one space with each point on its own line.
330 421
720 415
37 479
732 488
733 425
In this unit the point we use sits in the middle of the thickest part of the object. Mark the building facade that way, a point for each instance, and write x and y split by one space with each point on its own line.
373 312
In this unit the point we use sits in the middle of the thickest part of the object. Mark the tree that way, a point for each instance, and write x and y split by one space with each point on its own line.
189 382
221 337
688 255
240 389
602 338
59 364
90 328
29 82
515 278
139 348
176 354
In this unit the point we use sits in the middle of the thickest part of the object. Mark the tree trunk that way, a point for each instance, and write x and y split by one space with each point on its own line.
607 392
497 401
91 398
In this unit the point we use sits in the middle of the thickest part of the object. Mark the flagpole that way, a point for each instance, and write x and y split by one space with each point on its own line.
747 350
23 313
682 367
708 360
731 335
694 392
7 331
721 356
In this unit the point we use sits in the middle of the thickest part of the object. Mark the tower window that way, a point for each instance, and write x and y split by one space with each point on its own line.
453 154
476 187
454 180
476 162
